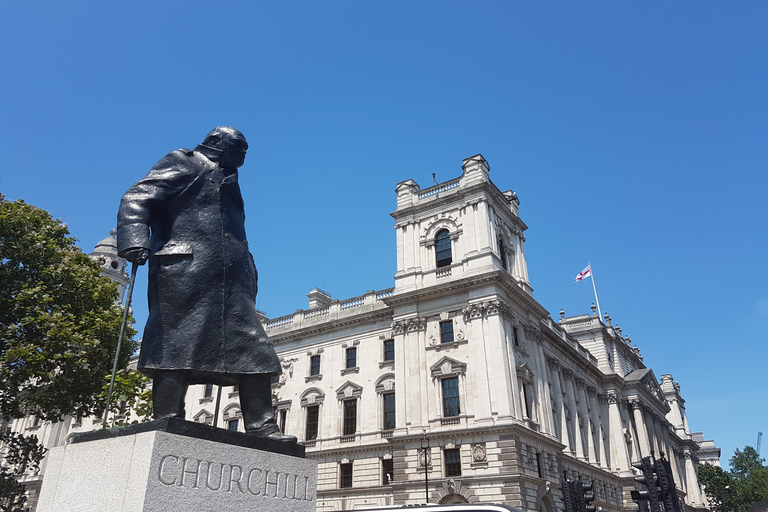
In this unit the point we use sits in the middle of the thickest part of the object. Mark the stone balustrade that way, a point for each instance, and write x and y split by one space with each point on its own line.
337 309
437 189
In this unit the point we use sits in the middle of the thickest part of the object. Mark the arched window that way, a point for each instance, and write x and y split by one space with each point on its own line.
443 248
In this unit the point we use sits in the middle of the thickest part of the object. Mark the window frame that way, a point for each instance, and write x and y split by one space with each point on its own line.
311 412
351 357
349 417
443 249
389 417
502 254
388 347
314 365
346 475
448 405
452 467
447 334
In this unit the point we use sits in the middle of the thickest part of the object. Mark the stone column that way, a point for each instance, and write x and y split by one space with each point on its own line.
584 410
595 418
542 412
620 455
605 432
694 495
640 427
557 390
570 397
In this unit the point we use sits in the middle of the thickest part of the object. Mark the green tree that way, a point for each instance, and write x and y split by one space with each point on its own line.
20 453
741 487
131 392
58 320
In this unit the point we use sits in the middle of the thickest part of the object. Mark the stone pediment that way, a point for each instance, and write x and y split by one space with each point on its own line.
447 366
644 378
349 390
203 413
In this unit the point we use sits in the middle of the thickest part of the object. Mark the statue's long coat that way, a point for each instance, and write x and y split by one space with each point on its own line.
202 280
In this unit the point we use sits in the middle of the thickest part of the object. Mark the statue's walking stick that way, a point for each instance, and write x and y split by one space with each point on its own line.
134 268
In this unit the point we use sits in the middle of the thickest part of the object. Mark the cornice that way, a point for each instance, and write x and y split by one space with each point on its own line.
476 432
330 325
495 277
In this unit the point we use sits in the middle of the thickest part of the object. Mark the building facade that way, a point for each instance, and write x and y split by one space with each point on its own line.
456 385
458 355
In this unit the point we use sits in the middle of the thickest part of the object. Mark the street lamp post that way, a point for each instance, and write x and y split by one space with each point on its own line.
425 454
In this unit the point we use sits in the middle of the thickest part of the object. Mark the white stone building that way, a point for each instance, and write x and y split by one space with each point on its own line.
510 401
459 355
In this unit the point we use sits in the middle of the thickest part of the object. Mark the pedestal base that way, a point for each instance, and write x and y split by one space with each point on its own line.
160 470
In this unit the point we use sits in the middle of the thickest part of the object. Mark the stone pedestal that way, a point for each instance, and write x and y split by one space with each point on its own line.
175 465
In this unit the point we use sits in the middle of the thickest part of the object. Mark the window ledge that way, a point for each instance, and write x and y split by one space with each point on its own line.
233 394
451 344
311 378
387 364
206 400
347 371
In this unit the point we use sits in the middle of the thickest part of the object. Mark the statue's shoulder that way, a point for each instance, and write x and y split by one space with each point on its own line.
180 159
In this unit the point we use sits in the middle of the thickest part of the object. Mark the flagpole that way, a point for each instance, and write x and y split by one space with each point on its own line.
592 275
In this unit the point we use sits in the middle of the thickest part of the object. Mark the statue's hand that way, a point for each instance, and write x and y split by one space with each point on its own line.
137 256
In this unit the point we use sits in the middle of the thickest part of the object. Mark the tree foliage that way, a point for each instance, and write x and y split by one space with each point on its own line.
741 487
131 392
20 454
58 334
58 319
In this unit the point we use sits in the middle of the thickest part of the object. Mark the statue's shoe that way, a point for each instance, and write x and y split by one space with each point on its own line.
270 431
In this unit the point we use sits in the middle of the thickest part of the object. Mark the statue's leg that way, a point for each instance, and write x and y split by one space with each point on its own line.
168 391
256 404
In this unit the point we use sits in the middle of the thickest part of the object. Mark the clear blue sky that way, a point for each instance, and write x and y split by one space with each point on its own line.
633 133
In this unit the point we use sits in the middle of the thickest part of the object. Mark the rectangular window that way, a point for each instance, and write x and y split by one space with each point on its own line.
389 350
282 415
451 397
352 357
527 400
452 462
350 417
345 475
387 471
313 416
389 411
502 253
233 425
446 332
314 365
516 336
208 390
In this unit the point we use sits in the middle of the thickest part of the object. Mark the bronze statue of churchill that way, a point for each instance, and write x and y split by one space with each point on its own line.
186 217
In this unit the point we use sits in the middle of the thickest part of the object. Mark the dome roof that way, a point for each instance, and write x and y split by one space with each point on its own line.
108 245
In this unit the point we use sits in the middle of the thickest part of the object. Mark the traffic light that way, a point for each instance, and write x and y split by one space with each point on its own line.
568 497
667 484
651 481
583 501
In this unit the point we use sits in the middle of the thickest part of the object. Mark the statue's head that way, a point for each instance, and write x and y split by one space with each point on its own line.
231 142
